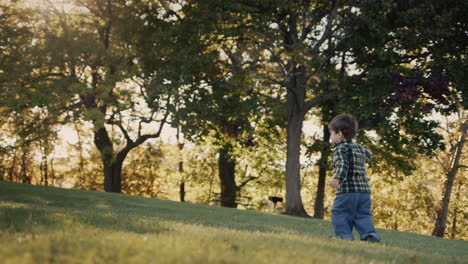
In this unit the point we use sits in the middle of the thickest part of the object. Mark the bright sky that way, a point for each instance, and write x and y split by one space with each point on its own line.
59 4
68 134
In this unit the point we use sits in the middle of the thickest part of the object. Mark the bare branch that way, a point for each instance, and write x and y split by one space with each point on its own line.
157 134
247 181
122 129
141 86
446 170
83 4
140 125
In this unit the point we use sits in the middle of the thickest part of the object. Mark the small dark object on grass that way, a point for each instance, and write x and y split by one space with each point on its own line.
275 199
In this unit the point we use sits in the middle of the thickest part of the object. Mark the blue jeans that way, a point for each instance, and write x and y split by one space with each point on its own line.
353 210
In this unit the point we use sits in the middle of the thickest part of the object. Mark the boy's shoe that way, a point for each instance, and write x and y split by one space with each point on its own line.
372 239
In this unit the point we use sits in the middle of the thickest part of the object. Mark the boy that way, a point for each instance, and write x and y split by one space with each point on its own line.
352 204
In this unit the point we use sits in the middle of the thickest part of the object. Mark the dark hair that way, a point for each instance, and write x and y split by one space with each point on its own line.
345 123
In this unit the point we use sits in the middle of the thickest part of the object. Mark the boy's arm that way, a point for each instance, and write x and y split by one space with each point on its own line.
368 155
341 164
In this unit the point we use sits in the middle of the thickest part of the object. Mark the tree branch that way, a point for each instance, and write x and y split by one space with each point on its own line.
122 129
320 99
446 170
246 181
141 139
328 28
313 22
272 80
270 98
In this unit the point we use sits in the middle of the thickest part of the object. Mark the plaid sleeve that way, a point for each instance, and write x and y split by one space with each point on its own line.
368 155
340 163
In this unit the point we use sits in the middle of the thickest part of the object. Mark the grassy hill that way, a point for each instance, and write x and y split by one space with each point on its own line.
51 225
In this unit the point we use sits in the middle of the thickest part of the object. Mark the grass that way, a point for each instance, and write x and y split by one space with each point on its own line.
51 225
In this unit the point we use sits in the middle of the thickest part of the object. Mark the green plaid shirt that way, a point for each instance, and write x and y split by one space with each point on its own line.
349 161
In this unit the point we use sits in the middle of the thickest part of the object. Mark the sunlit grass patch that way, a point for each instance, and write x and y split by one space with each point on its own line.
75 226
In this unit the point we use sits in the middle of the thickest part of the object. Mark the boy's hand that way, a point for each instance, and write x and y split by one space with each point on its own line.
334 183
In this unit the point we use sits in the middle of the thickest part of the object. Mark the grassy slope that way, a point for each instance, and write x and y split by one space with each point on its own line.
51 225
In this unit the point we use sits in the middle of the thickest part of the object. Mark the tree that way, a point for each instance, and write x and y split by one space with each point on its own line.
299 30
412 202
454 164
272 29
215 98
323 146
88 68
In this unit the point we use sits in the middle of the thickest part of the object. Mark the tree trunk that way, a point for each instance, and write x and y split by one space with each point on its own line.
441 223
323 166
52 169
182 191
227 166
112 162
81 178
112 176
112 165
181 167
44 163
46 172
24 170
296 113
455 213
181 171
11 171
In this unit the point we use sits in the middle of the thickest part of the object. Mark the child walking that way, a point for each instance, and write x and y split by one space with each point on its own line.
352 205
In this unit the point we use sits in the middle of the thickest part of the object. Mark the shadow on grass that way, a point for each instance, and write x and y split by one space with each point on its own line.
126 206
24 220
